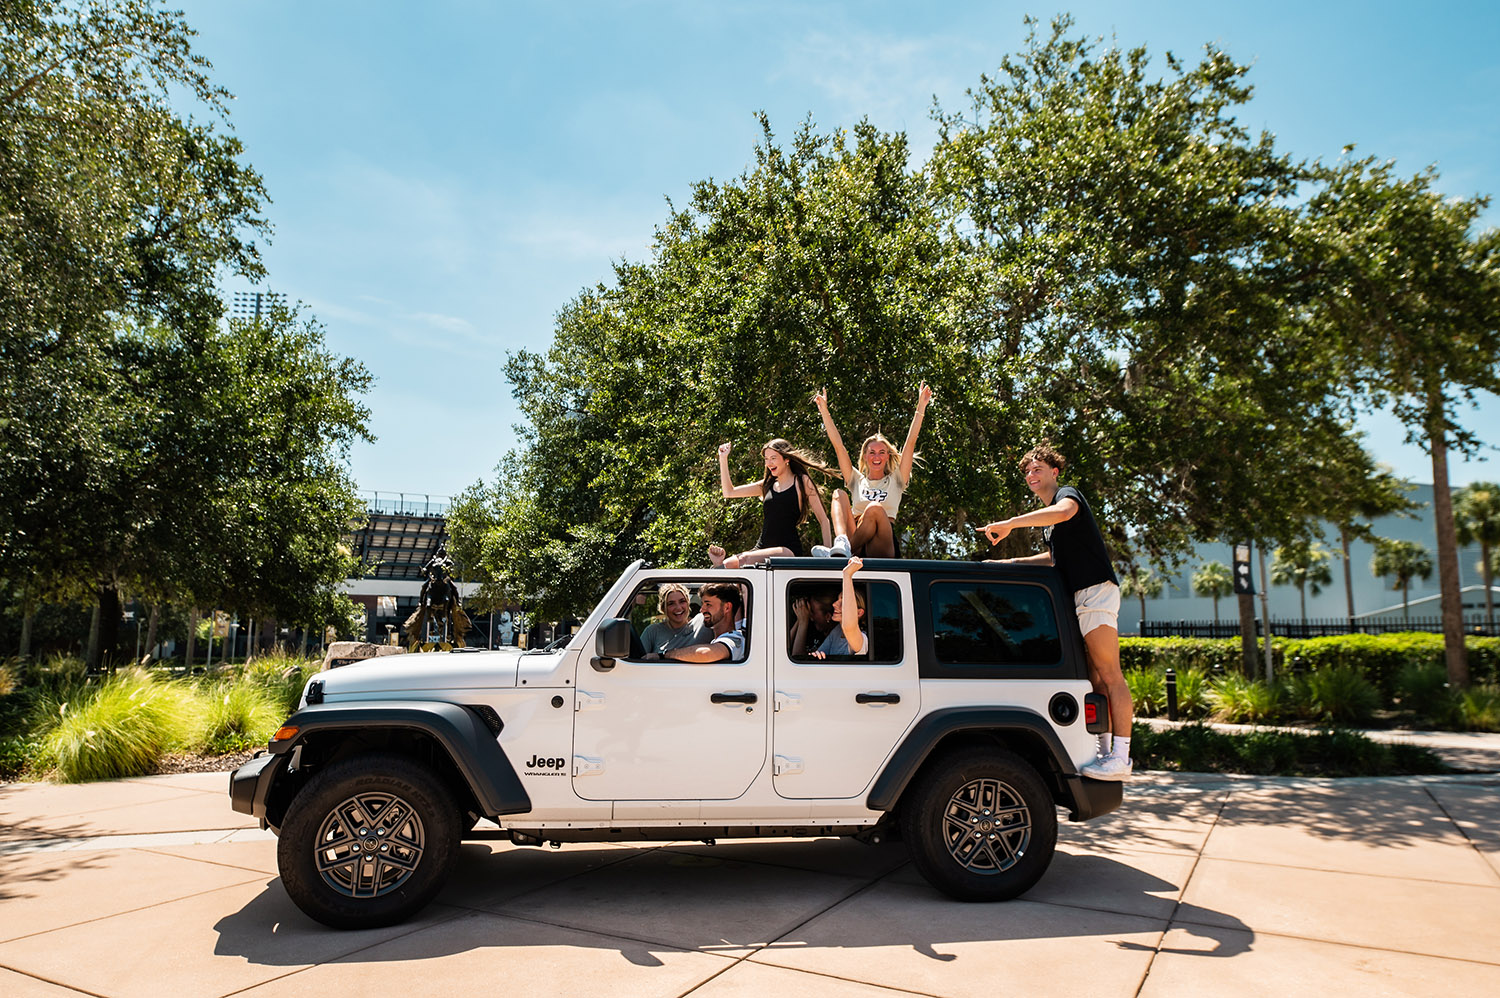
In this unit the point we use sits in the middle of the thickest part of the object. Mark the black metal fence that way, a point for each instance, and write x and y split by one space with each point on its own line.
1309 629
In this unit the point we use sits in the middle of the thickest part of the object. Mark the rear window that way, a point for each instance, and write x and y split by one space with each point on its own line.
994 624
882 623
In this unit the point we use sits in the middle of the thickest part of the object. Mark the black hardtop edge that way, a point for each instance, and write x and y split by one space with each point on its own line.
475 751
952 566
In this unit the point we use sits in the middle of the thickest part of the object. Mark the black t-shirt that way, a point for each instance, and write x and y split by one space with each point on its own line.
1077 546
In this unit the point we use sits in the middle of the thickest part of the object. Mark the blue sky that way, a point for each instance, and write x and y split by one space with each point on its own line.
445 176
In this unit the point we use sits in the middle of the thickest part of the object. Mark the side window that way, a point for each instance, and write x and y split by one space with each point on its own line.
994 623
668 614
815 600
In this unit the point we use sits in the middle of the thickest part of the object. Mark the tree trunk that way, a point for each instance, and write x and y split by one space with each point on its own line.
91 655
1247 631
1265 605
192 639
28 613
1447 548
1302 592
1216 611
1348 576
1142 598
151 629
1405 603
109 624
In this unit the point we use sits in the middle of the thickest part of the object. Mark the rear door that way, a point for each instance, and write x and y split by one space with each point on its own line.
837 719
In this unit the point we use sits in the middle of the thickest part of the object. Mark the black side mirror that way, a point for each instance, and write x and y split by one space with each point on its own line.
611 641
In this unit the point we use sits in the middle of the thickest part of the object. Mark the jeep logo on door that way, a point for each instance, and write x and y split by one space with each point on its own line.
544 766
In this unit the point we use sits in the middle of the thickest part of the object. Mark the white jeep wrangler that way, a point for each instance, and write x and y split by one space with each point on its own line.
960 729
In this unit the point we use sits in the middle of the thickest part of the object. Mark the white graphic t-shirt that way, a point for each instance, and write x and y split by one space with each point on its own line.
885 491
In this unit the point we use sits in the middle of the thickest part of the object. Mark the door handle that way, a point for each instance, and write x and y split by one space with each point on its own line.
877 698
732 698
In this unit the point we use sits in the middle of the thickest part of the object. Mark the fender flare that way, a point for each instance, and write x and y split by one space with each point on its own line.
458 730
932 729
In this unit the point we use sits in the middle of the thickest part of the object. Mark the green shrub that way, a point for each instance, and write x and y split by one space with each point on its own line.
1423 691
1340 694
1479 708
121 727
1199 748
280 674
1181 654
1237 699
1148 691
232 717
16 753
1192 692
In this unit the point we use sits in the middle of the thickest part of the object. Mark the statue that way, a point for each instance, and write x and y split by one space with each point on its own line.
439 621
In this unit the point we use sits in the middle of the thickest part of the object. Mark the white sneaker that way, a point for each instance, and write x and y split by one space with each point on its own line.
841 547
1112 767
822 551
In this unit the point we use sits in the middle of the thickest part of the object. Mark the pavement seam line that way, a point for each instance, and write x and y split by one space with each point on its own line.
48 980
754 950
1172 916
1473 843
1349 873
129 911
1336 942
210 862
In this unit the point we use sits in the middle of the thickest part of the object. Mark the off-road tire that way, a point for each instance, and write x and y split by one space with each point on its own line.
980 825
368 842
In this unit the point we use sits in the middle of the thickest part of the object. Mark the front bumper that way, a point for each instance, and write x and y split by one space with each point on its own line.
250 785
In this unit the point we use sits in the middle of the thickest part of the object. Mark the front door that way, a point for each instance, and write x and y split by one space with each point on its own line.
671 730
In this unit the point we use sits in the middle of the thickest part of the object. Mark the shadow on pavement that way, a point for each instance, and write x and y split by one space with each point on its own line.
600 899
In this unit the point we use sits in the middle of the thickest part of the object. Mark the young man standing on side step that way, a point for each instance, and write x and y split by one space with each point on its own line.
1076 546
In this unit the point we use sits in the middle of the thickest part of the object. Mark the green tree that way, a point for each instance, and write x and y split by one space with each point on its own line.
1134 239
1214 580
1401 561
822 265
1304 565
116 214
1476 515
1412 307
1141 583
1380 493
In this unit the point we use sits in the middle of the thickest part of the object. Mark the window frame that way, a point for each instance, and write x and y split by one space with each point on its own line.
1070 663
692 579
857 661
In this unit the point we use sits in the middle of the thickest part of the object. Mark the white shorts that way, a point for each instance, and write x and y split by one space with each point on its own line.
1098 606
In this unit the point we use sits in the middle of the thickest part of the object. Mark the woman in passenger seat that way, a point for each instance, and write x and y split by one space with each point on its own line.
848 637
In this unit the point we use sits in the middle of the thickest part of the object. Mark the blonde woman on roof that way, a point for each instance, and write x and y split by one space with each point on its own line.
864 517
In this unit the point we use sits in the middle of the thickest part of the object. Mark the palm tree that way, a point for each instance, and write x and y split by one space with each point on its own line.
1380 494
1476 516
1302 565
1402 561
1141 584
1215 580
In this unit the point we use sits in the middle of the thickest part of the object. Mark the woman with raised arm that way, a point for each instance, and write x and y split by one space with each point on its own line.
786 494
866 524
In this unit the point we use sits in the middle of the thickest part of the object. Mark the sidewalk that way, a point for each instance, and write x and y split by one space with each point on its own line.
1200 884
1466 751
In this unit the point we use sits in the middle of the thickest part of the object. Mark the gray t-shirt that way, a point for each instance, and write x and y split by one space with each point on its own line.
734 640
837 644
661 638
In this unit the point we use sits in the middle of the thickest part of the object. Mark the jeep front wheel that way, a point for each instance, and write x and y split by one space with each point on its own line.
980 824
368 842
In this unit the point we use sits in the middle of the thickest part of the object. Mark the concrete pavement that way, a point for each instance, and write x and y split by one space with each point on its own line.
1200 884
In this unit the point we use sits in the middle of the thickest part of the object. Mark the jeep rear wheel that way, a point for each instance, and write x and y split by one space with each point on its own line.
368 842
980 824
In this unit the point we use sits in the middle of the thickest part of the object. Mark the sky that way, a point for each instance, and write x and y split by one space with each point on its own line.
445 176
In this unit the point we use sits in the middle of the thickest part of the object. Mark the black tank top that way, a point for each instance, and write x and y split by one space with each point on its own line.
781 515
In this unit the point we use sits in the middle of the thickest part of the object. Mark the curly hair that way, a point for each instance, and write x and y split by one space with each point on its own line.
1044 453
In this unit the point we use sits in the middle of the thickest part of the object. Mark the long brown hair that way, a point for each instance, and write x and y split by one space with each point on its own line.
802 462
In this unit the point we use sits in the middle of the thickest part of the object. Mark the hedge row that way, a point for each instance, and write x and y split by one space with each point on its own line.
1381 657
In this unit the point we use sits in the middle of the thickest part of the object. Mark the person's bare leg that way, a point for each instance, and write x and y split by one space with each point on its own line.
843 518
1102 645
874 536
757 556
